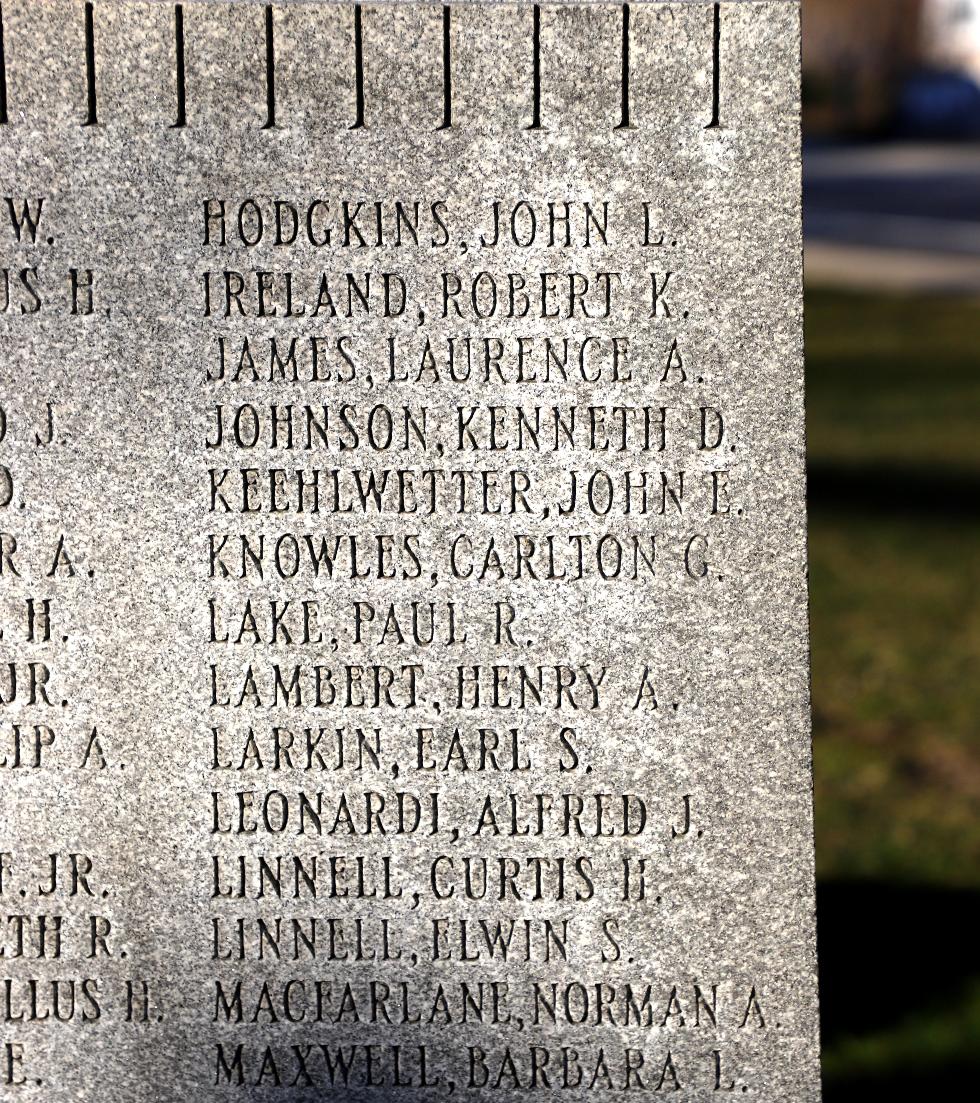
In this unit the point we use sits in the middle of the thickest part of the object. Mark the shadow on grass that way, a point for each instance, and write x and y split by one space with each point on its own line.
950 1082
871 489
889 956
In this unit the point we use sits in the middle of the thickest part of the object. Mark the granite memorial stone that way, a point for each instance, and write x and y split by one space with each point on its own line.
404 672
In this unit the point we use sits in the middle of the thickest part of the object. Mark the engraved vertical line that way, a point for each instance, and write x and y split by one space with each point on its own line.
358 70
181 119
536 73
447 68
715 70
624 117
3 73
270 71
92 118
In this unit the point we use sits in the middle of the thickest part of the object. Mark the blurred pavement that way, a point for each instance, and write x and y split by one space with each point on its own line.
893 217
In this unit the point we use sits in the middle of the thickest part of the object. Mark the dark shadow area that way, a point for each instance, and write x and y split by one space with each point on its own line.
951 1082
888 952
884 949
893 491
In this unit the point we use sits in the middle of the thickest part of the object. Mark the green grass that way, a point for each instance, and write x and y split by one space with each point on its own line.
896 655
938 1037
893 381
893 401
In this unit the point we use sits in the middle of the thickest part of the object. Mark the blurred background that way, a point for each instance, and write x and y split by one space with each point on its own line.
892 225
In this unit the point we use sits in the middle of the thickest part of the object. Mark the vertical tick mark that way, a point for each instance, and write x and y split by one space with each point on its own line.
270 72
715 71
358 70
447 68
181 79
536 77
92 118
3 73
624 118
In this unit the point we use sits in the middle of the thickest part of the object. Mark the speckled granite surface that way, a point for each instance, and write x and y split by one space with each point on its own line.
403 578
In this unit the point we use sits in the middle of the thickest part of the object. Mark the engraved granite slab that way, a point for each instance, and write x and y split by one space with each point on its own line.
404 680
